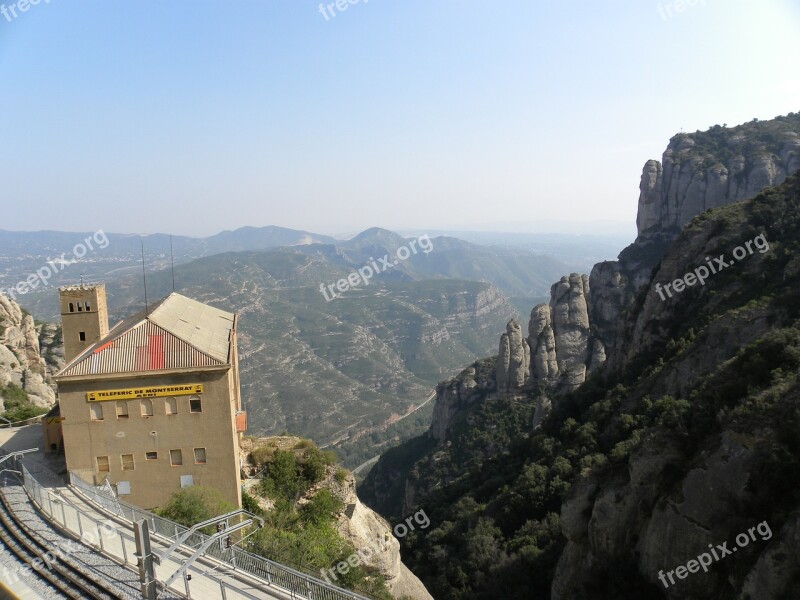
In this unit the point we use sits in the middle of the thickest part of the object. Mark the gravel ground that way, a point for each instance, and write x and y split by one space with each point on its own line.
84 558
9 561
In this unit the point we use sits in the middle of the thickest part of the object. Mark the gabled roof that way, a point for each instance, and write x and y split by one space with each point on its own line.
177 333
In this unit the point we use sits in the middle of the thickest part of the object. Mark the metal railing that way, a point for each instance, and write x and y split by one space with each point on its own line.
98 534
296 583
6 424
117 544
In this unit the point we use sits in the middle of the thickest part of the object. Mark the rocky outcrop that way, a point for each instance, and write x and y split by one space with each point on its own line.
560 349
369 533
21 362
514 359
455 396
713 168
359 526
698 171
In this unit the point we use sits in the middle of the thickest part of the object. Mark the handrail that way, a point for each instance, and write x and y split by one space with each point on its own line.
299 584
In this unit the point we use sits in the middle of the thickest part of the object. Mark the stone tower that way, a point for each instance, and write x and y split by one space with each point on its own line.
84 317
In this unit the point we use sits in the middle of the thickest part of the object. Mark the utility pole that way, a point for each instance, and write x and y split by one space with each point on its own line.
145 559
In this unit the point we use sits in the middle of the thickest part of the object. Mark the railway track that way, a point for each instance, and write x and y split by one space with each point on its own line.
65 579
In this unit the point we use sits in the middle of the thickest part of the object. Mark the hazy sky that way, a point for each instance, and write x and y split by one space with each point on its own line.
192 116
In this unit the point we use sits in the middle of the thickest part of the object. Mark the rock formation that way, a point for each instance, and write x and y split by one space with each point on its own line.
560 349
514 359
711 169
21 362
576 333
367 531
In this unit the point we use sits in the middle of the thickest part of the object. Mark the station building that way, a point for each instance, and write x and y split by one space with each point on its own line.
153 404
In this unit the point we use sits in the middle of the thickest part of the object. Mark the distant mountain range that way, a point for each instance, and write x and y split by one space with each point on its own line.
330 370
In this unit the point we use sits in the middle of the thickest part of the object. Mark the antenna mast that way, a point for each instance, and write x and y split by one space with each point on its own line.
172 261
144 278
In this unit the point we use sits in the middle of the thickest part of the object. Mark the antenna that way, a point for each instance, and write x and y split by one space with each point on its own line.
172 261
144 278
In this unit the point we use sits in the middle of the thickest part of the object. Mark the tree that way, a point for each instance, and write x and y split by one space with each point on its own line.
195 504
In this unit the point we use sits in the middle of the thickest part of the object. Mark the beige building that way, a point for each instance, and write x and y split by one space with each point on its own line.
153 405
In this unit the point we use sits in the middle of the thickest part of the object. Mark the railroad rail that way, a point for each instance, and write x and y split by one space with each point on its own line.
64 578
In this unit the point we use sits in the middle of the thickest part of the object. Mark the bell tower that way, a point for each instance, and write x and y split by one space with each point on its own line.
84 317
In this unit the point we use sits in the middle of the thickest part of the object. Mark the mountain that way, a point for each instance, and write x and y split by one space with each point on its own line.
681 440
25 382
64 257
572 334
345 370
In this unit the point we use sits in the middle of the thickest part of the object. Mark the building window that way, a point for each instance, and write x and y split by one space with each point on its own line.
127 462
175 458
96 411
147 408
82 336
88 307
151 455
171 405
200 456
80 307
71 307
195 404
122 410
102 464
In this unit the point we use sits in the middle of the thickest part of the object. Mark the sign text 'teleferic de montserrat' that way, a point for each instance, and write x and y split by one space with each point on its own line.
146 392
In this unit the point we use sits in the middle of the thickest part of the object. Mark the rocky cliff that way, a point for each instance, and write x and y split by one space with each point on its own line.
708 169
364 533
21 360
685 438
698 171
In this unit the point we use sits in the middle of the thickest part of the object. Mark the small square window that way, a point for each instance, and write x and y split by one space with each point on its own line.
102 464
82 336
195 404
200 456
127 462
151 455
175 458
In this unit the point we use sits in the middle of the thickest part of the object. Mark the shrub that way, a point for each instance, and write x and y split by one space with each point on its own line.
195 504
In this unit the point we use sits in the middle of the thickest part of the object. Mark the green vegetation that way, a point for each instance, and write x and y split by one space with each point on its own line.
494 491
195 504
18 407
288 474
301 529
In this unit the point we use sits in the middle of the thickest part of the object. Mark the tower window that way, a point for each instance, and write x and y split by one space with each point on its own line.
195 404
147 408
82 336
88 307
80 307
71 307
122 410
96 411
175 458
200 456
171 406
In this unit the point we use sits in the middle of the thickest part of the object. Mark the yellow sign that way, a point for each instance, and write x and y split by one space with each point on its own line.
147 392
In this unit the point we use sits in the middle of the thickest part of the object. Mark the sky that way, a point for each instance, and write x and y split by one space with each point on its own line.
195 116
